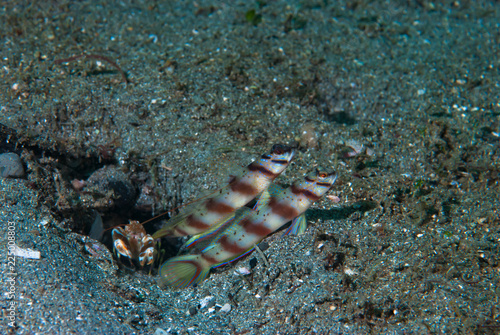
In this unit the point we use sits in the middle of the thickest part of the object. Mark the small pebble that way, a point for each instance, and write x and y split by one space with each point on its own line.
192 311
160 331
252 263
11 166
263 246
113 186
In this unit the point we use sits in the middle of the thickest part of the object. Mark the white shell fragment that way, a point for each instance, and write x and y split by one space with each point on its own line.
243 271
24 253
204 302
226 308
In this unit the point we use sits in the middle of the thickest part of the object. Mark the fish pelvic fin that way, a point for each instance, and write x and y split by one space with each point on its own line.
183 271
298 226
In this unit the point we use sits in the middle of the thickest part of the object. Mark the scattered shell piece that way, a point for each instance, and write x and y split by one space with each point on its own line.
25 253
350 272
356 146
205 301
97 229
44 222
78 185
226 308
333 198
11 166
243 271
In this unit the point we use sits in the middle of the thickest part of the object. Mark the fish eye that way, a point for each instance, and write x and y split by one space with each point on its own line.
323 175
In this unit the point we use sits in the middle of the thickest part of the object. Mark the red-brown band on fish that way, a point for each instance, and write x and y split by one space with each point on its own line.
231 247
256 228
219 207
310 195
210 260
282 209
194 222
243 188
262 169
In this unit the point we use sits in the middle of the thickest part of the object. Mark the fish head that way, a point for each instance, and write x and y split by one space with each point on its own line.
320 181
278 159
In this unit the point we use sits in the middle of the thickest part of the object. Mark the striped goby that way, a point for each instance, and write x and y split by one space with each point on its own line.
208 214
247 230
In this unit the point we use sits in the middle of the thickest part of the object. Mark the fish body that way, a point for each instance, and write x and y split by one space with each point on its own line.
133 244
211 212
247 230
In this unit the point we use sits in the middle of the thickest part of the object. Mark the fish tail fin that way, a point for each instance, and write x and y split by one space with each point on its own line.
183 271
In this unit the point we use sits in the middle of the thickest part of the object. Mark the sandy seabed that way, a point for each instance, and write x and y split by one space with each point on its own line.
167 99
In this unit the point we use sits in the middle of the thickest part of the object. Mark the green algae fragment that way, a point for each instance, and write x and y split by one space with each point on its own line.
253 17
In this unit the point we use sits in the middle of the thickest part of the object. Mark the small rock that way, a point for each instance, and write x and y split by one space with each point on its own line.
263 246
109 188
11 166
252 263
160 331
192 311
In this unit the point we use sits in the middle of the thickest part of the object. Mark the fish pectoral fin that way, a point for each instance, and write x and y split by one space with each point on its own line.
298 226
200 241
229 227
